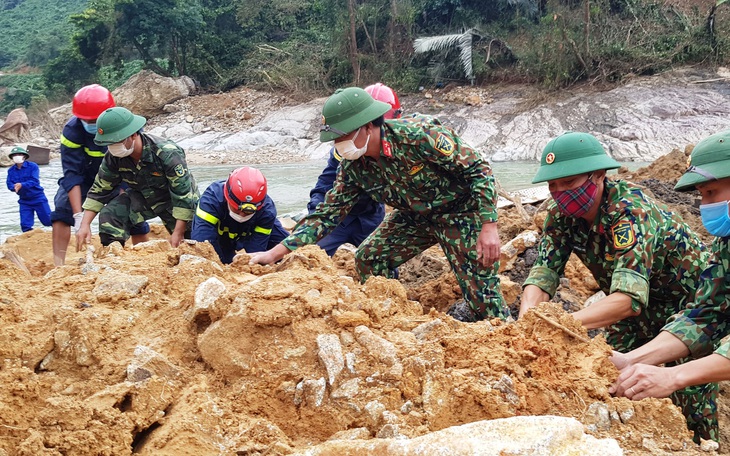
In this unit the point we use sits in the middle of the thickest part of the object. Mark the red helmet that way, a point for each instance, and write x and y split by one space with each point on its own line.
385 94
90 101
245 190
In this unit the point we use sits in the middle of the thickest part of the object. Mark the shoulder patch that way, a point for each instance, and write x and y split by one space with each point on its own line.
444 144
179 170
623 234
169 146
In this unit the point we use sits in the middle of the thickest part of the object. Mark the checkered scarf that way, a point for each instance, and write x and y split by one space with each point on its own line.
576 202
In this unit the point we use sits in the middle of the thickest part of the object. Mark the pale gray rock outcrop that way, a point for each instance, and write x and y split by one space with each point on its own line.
524 435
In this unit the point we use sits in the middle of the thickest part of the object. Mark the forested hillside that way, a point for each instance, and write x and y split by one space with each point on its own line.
33 32
307 47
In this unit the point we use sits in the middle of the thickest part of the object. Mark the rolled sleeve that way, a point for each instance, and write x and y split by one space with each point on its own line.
698 342
724 348
93 205
544 278
633 284
180 213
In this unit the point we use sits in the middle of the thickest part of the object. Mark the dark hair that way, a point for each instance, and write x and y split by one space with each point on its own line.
379 121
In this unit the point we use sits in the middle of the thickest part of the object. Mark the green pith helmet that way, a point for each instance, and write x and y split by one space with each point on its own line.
571 154
117 124
710 160
17 150
347 110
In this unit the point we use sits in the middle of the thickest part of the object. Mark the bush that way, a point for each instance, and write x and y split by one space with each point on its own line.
20 90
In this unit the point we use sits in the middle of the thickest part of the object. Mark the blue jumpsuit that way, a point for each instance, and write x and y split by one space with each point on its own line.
212 223
80 161
362 220
30 197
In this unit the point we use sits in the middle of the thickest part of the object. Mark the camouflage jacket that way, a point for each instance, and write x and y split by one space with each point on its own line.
707 319
161 176
423 167
635 246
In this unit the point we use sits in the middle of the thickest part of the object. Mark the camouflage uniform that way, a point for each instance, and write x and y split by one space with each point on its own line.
638 248
442 192
160 185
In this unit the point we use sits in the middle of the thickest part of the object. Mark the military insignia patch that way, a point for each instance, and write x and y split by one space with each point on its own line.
550 158
444 144
179 170
623 235
415 168
387 149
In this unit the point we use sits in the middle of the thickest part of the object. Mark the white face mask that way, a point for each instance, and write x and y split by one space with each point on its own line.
18 159
349 151
119 150
239 218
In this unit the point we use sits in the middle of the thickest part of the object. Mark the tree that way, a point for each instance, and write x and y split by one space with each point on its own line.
462 41
352 48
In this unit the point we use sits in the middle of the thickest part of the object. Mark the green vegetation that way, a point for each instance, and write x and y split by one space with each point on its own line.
34 31
314 46
22 90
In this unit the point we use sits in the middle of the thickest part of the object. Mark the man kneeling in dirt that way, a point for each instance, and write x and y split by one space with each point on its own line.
645 258
441 190
237 214
702 330
156 172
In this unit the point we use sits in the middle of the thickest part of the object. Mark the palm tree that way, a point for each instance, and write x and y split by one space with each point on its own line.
446 42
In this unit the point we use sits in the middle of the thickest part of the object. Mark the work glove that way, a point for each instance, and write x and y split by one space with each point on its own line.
77 221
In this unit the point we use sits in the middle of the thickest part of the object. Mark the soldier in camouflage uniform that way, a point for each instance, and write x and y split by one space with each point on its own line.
155 170
441 190
704 325
646 259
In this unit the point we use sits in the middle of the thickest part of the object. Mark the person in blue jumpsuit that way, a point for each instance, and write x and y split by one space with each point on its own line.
80 161
24 179
367 214
237 214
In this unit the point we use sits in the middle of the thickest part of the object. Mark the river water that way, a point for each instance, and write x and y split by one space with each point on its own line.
288 185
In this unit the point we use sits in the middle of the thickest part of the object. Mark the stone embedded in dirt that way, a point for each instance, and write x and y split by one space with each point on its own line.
147 363
117 286
509 251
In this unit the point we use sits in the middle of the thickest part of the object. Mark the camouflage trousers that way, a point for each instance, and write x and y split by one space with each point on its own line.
124 214
698 403
403 235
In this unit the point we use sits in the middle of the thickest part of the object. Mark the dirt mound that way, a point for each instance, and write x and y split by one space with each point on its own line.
659 179
667 168
154 350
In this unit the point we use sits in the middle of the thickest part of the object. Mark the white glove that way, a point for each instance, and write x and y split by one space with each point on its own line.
77 220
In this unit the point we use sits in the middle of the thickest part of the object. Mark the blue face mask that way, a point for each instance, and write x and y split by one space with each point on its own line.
716 219
89 127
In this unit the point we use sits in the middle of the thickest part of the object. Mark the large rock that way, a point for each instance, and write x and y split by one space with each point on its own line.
524 435
16 128
146 93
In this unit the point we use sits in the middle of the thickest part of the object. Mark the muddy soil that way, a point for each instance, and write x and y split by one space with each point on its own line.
155 350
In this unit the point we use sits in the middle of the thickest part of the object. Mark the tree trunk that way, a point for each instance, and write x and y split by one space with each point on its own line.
587 20
147 58
391 30
353 42
711 29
